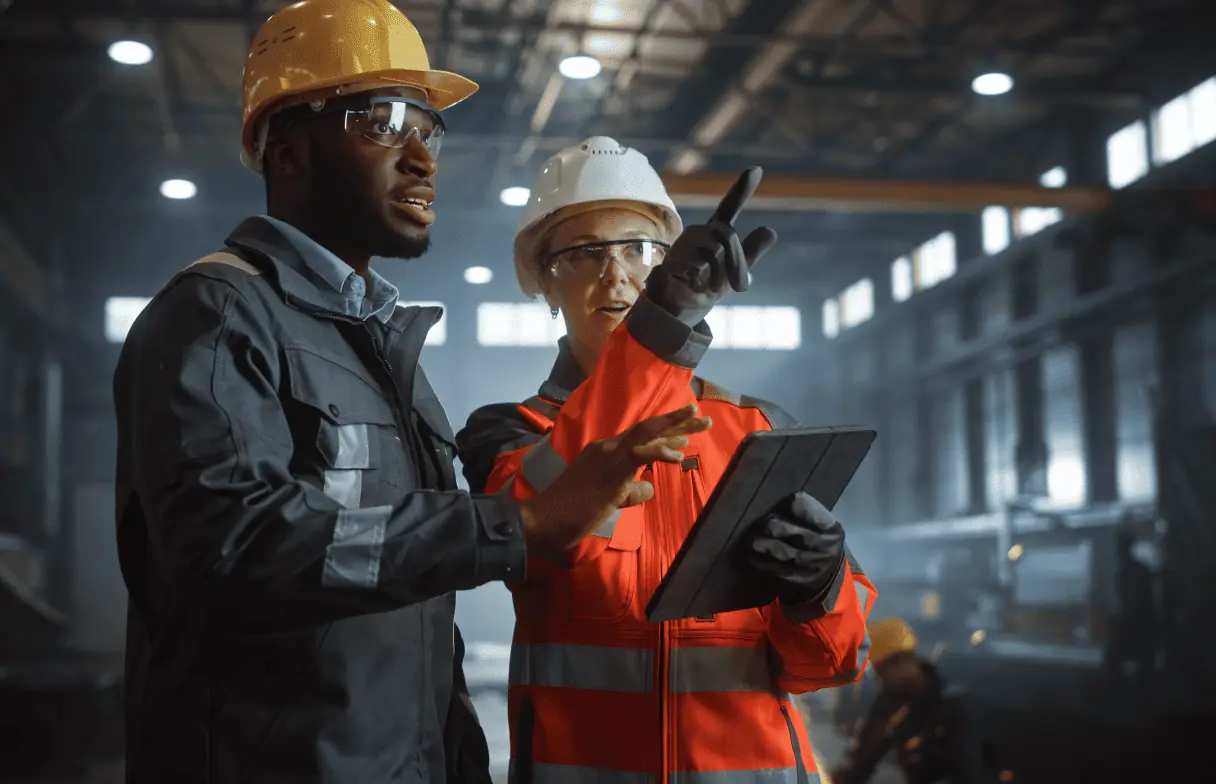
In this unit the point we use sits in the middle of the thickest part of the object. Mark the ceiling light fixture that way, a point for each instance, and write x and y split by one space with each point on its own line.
478 276
178 189
580 66
515 196
992 83
130 52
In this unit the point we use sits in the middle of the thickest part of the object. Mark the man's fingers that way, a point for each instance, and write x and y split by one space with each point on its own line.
638 493
757 244
732 203
659 451
736 264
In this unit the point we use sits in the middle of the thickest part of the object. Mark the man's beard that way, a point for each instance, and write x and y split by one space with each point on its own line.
355 213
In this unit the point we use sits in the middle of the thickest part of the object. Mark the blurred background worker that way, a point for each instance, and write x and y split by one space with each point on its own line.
916 715
602 243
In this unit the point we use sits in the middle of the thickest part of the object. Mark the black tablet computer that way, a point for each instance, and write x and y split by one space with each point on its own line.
709 575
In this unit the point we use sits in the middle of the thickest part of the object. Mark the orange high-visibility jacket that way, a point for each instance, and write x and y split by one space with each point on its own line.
599 694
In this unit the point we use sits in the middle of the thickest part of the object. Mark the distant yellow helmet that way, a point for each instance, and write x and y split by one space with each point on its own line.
344 46
889 636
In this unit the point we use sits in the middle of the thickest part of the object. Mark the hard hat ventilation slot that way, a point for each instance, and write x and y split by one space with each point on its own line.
602 145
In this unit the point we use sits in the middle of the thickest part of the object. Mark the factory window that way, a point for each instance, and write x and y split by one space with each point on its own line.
901 279
774 328
934 261
994 223
831 318
517 324
121 313
1032 220
1127 155
439 333
1185 123
1203 112
857 303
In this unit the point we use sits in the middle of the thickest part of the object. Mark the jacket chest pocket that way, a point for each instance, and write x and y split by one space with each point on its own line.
345 429
604 588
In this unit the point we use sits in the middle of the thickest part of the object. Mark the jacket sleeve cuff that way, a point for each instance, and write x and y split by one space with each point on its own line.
665 336
821 604
502 551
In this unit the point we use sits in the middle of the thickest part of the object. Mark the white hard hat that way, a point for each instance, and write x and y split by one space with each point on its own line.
598 170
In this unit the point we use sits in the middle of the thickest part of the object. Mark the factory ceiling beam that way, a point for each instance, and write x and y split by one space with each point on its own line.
1048 91
782 192
897 46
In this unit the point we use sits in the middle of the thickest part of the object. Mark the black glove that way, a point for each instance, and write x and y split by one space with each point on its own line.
705 259
800 546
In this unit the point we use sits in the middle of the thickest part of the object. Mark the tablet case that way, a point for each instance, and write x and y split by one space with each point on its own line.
709 575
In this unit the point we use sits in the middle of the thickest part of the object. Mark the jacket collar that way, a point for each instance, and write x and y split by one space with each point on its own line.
565 376
299 284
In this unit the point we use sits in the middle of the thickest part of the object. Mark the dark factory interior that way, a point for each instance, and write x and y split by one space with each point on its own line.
996 247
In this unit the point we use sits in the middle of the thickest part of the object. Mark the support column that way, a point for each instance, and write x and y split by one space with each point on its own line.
1031 455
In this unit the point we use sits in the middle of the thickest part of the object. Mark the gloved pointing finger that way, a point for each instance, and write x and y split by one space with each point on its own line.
732 203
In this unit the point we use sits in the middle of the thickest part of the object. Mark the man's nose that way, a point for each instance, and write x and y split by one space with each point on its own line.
417 159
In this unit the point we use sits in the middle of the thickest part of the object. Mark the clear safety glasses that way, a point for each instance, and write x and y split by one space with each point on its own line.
390 121
393 121
637 257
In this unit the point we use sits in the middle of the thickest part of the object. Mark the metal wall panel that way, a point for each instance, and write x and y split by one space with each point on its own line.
1135 362
903 468
949 453
1207 340
996 304
1057 284
1000 438
99 597
899 349
943 328
1064 426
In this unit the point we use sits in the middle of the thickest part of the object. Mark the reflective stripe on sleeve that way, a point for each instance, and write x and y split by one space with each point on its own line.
352 559
542 465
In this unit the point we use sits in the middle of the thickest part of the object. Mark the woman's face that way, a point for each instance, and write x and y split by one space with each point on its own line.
595 284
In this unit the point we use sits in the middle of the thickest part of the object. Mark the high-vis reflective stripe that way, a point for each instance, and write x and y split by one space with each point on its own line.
600 668
344 483
720 669
542 465
764 776
571 774
352 560
863 599
583 667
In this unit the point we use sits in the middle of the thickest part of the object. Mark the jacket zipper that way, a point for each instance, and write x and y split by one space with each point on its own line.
669 507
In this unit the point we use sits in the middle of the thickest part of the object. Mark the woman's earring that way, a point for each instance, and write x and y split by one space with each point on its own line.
553 313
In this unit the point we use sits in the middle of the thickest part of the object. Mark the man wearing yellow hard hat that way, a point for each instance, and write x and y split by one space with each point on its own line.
289 525
916 714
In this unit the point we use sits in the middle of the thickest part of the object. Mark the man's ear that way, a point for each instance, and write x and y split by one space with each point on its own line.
285 156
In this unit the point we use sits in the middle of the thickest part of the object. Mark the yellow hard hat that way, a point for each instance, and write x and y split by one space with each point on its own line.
889 636
346 46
